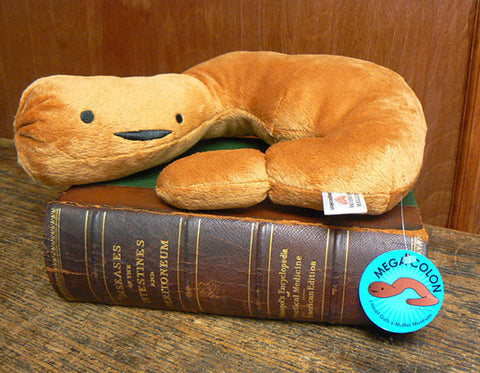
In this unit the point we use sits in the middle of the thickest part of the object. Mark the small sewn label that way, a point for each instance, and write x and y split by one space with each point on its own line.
343 203
401 291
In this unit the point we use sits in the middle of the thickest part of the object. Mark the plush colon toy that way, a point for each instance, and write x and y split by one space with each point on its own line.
335 124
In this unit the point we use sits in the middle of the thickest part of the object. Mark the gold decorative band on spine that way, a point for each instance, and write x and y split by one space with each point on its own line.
250 270
87 269
178 263
327 246
345 275
269 271
196 266
55 253
103 258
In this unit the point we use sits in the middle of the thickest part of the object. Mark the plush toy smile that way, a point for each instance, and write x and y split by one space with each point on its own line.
143 135
335 124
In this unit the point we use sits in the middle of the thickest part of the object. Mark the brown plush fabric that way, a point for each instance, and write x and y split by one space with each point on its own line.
336 124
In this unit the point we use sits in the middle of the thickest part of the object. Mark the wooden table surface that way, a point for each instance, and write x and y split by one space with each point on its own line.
41 332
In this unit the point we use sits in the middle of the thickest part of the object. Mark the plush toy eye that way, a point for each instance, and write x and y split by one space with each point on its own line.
179 118
87 116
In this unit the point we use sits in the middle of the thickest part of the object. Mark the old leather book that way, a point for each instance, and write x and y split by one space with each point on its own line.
121 245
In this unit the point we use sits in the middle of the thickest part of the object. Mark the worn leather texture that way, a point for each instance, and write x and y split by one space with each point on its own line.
264 262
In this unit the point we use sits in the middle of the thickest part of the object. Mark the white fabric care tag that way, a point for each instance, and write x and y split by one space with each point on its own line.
343 203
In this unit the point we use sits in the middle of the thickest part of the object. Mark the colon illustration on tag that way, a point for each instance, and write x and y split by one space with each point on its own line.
383 290
401 291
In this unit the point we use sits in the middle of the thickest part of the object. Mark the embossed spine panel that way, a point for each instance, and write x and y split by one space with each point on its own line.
211 264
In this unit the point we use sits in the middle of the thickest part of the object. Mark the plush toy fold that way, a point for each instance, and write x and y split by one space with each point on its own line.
335 124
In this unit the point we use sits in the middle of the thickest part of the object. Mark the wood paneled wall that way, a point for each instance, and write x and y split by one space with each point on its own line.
465 208
430 43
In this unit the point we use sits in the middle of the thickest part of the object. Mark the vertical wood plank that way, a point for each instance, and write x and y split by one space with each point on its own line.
465 208
39 38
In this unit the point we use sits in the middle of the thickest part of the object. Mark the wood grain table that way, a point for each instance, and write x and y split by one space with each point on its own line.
39 332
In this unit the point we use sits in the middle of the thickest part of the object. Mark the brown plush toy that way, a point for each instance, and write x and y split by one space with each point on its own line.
335 124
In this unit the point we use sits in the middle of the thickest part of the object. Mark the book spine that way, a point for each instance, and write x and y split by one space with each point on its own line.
211 264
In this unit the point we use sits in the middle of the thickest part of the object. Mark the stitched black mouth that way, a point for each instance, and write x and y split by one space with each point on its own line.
144 135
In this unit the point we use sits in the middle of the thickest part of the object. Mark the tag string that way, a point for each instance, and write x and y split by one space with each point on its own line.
403 225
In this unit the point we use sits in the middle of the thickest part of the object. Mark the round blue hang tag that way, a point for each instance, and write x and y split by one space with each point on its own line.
401 291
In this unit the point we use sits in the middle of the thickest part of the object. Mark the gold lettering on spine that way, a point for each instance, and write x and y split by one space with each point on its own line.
325 273
164 273
311 289
178 263
345 275
196 266
55 253
103 257
269 270
297 277
282 291
140 271
117 272
250 270
86 256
